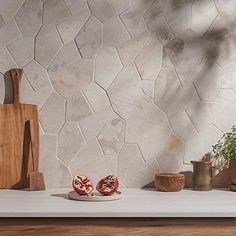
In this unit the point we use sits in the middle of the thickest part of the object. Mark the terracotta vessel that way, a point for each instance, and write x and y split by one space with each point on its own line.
232 174
169 182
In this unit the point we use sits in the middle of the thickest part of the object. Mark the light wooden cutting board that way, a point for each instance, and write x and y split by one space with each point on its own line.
15 148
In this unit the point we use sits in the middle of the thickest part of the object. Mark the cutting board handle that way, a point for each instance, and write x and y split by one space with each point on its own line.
16 75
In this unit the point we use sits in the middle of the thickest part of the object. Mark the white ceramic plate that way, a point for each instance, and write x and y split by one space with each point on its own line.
96 197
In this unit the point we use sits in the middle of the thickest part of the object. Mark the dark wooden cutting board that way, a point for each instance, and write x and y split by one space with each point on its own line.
15 148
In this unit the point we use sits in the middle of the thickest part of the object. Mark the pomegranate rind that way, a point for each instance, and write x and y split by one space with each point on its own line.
82 185
108 185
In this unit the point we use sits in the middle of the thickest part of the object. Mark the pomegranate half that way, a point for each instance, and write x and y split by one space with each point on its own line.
82 185
108 185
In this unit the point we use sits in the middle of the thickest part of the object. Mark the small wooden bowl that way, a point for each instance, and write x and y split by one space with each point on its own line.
169 182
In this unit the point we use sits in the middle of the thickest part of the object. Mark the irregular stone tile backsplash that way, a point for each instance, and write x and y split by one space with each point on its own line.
130 87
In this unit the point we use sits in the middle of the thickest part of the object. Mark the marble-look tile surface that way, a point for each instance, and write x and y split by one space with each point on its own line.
67 55
170 157
6 60
160 31
73 78
22 50
9 8
149 60
70 141
179 19
141 6
107 66
208 82
119 5
114 32
71 27
56 174
29 17
47 44
143 85
88 154
131 48
131 168
96 97
89 39
54 12
52 114
101 9
9 32
77 108
133 21
75 6
201 22
112 135
39 80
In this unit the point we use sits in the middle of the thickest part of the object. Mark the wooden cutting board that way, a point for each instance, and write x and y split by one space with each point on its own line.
15 148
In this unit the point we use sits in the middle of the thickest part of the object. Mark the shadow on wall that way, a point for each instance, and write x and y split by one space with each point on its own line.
8 88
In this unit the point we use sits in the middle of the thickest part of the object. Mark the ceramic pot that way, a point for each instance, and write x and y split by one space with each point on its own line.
232 174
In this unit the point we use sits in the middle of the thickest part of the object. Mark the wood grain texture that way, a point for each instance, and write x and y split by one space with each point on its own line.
36 179
118 227
15 150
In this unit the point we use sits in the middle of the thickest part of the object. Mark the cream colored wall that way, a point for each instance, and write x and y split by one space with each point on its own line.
130 87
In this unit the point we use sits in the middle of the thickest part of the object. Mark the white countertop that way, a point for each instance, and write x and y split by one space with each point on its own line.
135 203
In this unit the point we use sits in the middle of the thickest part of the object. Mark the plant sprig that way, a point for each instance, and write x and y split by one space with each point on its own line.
226 146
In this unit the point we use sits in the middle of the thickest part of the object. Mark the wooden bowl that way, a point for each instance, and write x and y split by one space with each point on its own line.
167 182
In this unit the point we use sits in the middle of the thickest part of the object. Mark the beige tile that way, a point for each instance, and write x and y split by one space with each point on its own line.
131 169
39 80
101 9
9 32
47 44
29 17
96 97
131 48
55 173
73 78
208 82
54 12
9 8
179 19
133 21
182 125
92 124
76 6
205 139
228 75
114 32
222 24
149 60
89 39
67 55
141 6
70 141
88 154
6 60
52 114
111 137
77 108
160 31
22 50
159 7
170 157
2 89
201 22
107 66
119 5
100 168
71 27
